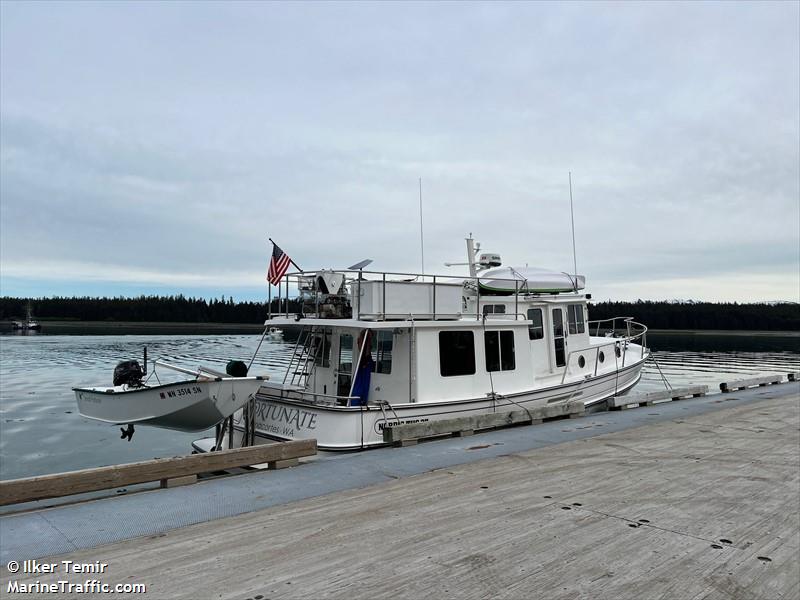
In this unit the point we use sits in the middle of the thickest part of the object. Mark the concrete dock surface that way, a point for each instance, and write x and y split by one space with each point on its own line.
702 505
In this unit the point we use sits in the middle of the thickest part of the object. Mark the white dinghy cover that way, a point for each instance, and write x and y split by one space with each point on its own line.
531 280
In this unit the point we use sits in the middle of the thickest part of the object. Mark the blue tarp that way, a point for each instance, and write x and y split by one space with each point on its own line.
361 387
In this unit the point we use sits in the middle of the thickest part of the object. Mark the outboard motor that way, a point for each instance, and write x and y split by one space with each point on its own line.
128 372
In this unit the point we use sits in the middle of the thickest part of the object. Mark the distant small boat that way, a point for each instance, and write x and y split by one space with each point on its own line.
275 334
29 323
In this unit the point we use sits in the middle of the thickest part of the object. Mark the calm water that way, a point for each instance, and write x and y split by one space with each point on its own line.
42 432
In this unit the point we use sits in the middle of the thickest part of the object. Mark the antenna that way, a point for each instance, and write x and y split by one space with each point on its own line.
473 248
360 265
421 238
572 218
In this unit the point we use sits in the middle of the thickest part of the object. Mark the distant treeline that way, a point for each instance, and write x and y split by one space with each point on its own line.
656 315
162 309
783 316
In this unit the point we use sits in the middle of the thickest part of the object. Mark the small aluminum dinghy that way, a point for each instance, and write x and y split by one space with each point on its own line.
190 405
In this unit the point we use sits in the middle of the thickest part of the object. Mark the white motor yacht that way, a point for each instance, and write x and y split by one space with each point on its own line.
377 350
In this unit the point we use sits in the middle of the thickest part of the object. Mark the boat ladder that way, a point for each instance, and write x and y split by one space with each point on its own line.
383 404
303 359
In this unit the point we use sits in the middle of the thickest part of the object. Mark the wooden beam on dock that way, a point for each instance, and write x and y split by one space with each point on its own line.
740 384
650 398
56 485
462 426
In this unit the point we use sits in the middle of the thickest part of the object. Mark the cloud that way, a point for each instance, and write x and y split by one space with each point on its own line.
169 141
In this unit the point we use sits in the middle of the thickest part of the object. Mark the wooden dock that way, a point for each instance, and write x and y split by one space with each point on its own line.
742 384
650 398
176 470
410 434
706 506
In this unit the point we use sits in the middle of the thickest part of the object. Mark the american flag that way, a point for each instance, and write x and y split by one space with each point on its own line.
277 265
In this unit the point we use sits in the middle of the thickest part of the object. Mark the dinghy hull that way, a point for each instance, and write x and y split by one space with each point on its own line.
193 405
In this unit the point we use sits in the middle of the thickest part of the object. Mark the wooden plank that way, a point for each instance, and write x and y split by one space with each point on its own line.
462 425
648 398
274 465
449 426
102 478
179 481
740 384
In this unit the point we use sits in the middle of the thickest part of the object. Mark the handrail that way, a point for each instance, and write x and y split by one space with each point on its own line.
499 316
469 283
285 392
627 339
613 321
307 274
417 277
410 316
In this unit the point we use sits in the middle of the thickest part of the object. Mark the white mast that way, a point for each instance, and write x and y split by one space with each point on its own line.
572 218
473 248
421 238
473 271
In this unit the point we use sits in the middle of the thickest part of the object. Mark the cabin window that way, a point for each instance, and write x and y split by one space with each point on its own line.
499 346
558 337
536 328
575 318
456 353
382 342
346 353
344 376
494 309
322 348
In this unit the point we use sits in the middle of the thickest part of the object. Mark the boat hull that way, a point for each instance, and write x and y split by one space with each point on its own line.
277 417
193 405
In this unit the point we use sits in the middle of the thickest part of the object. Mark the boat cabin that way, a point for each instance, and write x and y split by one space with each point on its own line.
427 339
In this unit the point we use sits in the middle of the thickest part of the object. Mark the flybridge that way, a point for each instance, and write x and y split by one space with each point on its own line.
374 295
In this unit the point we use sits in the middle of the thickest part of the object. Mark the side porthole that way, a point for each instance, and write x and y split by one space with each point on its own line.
601 357
581 361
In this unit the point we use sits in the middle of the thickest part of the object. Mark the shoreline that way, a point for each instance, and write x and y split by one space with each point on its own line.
143 326
174 326
731 332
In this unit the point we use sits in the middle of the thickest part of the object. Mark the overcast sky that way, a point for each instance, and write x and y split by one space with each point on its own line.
154 147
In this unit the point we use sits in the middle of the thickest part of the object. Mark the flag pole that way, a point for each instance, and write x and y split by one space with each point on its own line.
289 257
